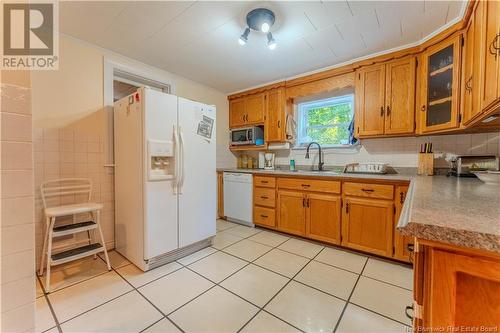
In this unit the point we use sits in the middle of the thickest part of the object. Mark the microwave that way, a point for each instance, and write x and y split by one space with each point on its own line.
246 135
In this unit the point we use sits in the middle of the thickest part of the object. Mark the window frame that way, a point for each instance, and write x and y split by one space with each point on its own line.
301 116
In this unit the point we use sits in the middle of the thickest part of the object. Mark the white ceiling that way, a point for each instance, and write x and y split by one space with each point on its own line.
198 39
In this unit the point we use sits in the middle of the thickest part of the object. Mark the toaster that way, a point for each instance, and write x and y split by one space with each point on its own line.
464 166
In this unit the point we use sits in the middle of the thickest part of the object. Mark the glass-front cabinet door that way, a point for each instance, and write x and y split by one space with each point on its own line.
439 91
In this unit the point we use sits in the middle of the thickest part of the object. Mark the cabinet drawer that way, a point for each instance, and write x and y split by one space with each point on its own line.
264 181
264 216
330 186
264 196
369 190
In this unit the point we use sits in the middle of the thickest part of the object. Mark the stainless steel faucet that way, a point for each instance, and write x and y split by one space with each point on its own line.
320 163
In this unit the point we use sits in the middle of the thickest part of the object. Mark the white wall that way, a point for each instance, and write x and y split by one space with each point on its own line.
401 152
72 130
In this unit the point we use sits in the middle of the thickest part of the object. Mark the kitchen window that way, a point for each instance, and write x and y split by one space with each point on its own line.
328 121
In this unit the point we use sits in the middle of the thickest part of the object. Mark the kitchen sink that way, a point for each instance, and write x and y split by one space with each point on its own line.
320 171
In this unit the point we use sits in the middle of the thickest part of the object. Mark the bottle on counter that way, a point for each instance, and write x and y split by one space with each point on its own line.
239 162
244 161
292 165
250 163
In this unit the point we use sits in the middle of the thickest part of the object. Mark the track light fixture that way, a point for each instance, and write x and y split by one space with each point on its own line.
261 20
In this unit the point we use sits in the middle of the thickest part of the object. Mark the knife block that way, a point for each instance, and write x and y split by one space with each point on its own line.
425 164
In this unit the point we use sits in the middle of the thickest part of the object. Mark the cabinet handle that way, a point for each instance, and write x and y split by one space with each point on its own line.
306 185
264 181
408 308
307 202
303 202
402 197
264 216
279 123
367 190
381 111
264 197
388 110
423 108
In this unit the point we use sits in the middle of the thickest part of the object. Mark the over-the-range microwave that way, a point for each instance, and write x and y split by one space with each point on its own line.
246 135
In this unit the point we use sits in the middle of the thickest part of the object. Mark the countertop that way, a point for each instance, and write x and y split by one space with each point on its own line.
457 211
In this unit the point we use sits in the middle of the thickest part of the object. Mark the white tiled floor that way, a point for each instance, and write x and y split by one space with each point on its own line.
251 280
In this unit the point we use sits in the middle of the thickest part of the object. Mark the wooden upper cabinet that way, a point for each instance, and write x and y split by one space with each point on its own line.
367 225
490 62
274 126
440 86
248 110
470 59
385 98
323 217
255 106
237 112
370 91
400 96
291 212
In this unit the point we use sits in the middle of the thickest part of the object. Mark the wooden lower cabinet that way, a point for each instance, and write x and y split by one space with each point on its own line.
264 201
291 212
456 287
367 225
402 243
323 217
264 216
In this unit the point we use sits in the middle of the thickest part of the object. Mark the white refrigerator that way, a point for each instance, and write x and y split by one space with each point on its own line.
165 177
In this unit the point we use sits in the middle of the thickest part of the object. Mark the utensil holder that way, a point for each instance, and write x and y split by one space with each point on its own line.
425 164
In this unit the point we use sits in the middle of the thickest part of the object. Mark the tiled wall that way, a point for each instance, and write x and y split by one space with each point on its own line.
401 152
17 227
70 153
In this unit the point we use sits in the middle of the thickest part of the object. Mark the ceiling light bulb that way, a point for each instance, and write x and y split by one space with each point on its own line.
244 37
265 27
271 42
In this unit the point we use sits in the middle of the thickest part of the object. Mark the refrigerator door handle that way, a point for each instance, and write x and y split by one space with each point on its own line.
175 181
181 163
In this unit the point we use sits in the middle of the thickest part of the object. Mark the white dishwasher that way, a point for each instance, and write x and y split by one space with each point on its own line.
238 197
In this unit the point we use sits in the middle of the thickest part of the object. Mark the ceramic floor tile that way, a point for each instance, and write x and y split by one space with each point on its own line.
300 247
223 225
139 278
74 272
269 238
282 262
382 298
255 284
343 259
359 320
216 310
171 291
81 297
116 260
39 290
127 313
163 326
243 231
388 272
264 322
329 279
196 256
247 250
306 308
223 239
43 316
218 266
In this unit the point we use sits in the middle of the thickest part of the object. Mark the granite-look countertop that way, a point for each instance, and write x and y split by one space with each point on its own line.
458 211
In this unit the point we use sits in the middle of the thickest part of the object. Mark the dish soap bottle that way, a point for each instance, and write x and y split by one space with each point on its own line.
292 165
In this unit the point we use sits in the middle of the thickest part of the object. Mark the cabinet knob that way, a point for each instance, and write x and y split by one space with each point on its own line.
388 110
423 108
381 111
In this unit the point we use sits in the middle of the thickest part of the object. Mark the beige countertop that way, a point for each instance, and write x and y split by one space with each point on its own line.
458 211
